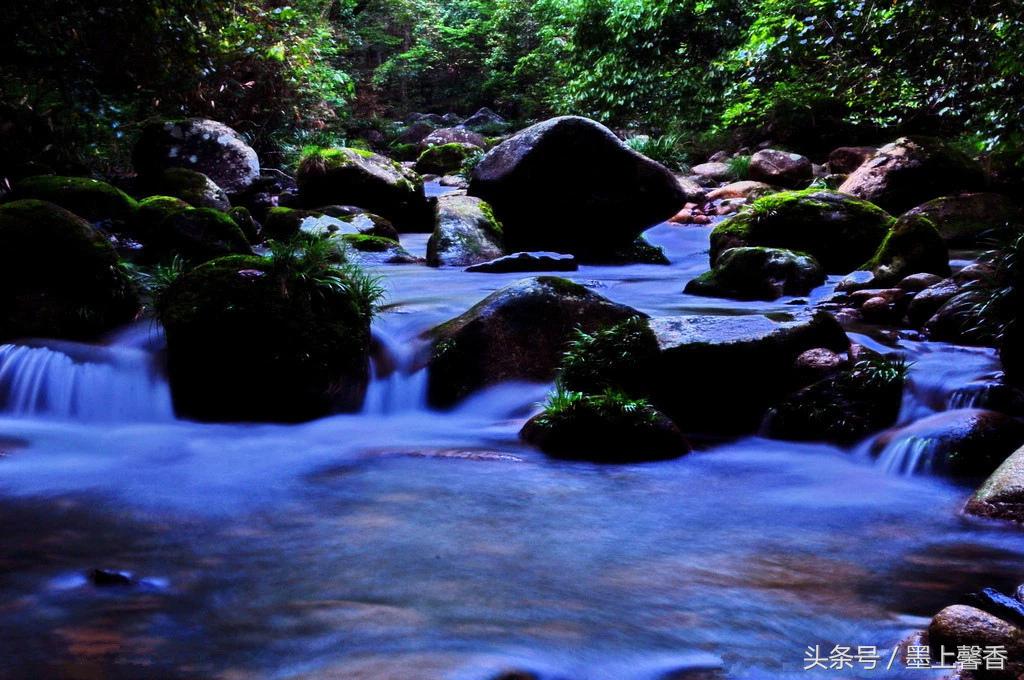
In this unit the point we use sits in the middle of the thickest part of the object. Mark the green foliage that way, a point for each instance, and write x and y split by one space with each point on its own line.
994 305
666 149
593 362
739 167
880 372
609 405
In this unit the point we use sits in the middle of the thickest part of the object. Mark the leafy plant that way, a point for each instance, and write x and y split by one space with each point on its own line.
880 372
613 357
609 405
739 167
666 149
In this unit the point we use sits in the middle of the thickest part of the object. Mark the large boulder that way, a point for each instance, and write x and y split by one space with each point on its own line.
91 199
206 146
846 159
59 278
167 227
453 135
779 168
839 231
910 171
486 122
527 262
368 250
467 233
967 219
516 333
445 158
371 181
961 443
251 341
570 185
1002 494
757 273
193 187
912 246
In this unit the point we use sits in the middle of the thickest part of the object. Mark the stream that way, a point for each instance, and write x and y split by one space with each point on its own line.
402 542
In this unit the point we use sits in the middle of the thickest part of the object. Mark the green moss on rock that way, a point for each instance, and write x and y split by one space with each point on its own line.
88 198
758 273
168 227
58 276
193 187
445 158
912 246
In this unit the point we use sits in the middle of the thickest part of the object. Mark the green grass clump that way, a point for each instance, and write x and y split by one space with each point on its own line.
666 149
739 167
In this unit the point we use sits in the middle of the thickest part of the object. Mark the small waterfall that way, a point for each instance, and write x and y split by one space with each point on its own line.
397 384
67 380
909 456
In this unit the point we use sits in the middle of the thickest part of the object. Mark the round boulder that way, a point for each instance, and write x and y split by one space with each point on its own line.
453 135
467 233
193 187
206 146
967 219
779 168
756 273
445 158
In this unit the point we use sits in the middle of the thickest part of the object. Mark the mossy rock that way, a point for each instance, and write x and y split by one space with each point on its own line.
88 198
246 222
640 251
283 223
912 246
617 358
193 187
839 231
605 428
59 277
446 158
366 250
168 227
967 220
758 273
247 342
516 333
371 181
467 233
404 151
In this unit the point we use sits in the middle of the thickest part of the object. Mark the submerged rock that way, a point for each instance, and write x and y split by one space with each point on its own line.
373 182
1001 496
59 278
528 262
206 146
467 233
250 342
910 171
516 333
779 168
840 232
961 443
88 198
570 185
756 273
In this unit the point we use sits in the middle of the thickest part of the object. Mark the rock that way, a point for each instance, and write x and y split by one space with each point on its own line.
840 232
454 135
467 233
1001 496
91 199
719 172
961 443
248 341
711 374
928 301
604 428
968 219
528 262
570 185
104 578
846 159
964 626
915 283
756 273
415 133
641 251
59 278
516 333
912 246
454 181
434 119
486 121
366 249
779 168
283 223
748 189
445 158
205 146
366 179
245 221
841 408
910 171
819 363
692 191
167 227
193 187
451 119
956 319
719 157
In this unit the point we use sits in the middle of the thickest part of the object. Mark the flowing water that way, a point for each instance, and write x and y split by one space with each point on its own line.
405 543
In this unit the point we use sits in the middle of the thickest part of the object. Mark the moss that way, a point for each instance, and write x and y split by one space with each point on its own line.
759 273
368 243
244 219
283 222
193 187
167 229
88 198
445 158
59 277
249 340
913 245
405 152
562 286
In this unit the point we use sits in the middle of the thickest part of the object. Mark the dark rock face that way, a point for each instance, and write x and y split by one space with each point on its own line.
839 231
373 182
486 121
721 373
967 219
755 273
167 227
206 146
245 343
846 159
59 278
912 246
927 302
527 262
779 168
516 333
466 233
961 443
570 185
910 171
